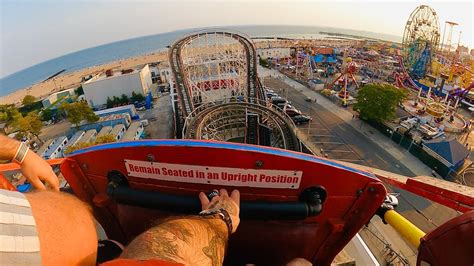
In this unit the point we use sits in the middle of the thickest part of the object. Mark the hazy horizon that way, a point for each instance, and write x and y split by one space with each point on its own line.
37 31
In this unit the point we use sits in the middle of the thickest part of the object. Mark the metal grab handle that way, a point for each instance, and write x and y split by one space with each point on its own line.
310 203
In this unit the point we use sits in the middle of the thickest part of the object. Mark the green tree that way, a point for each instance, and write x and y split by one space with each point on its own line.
79 111
35 124
116 100
379 101
9 114
46 114
124 99
137 97
20 135
29 125
109 103
79 90
28 99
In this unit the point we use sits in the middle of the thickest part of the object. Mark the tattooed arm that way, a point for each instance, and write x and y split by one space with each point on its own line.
192 240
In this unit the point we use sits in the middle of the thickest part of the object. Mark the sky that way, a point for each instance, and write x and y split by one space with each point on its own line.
33 31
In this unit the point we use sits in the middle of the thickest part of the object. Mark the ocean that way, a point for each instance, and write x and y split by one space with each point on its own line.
153 43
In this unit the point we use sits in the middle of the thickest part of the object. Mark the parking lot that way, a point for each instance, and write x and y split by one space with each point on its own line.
160 119
318 130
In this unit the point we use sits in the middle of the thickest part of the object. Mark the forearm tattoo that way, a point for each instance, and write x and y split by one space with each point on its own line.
191 241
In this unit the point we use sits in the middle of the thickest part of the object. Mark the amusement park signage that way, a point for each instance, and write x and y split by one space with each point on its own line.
214 175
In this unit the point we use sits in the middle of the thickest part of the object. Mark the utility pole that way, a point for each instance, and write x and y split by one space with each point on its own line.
309 123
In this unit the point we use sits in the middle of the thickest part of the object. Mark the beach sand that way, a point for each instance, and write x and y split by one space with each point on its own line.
73 80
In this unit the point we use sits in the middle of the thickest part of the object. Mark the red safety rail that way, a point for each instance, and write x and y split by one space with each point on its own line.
4 184
449 194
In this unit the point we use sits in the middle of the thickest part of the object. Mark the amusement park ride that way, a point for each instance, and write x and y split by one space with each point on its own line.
439 78
293 205
348 69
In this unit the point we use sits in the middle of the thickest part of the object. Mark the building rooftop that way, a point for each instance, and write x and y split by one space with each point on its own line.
56 94
88 135
113 117
75 138
106 118
45 147
115 109
324 50
104 131
57 142
113 73
132 130
117 129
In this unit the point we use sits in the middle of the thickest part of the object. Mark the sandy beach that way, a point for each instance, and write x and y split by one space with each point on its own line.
73 80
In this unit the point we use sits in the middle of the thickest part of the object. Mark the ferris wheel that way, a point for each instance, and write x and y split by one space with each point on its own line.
420 38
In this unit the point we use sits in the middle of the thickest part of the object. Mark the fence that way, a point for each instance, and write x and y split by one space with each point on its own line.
414 148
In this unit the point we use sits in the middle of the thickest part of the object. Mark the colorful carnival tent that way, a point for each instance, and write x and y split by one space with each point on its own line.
324 59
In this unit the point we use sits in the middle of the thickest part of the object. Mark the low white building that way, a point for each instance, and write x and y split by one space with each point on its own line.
133 132
57 96
115 83
118 131
164 70
46 145
89 136
104 131
56 149
130 109
76 138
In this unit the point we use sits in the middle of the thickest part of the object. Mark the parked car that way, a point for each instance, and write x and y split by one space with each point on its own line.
301 119
277 100
271 94
292 112
288 106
